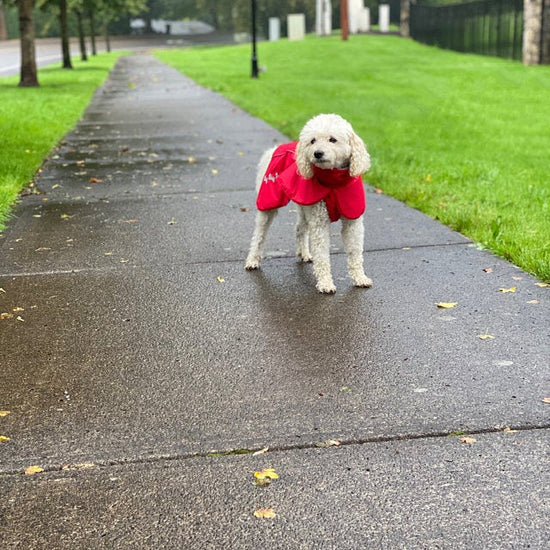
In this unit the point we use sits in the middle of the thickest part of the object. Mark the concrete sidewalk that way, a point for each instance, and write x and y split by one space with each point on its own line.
142 365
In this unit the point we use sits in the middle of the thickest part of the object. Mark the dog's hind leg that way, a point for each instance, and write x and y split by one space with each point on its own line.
352 236
318 223
263 221
302 237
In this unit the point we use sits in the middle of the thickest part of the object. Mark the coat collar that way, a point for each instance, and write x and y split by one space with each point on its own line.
332 178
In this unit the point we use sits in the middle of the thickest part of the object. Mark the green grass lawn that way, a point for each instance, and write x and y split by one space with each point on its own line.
463 138
33 120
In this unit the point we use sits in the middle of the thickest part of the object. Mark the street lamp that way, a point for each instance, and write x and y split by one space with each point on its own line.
254 55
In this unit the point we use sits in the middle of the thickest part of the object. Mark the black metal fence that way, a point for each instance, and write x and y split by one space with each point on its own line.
487 27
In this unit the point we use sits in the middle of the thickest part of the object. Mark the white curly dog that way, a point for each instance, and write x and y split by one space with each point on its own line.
321 173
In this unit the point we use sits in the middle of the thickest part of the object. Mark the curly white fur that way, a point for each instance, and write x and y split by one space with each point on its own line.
326 141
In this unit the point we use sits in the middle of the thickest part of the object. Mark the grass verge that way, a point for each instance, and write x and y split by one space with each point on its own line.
463 138
33 120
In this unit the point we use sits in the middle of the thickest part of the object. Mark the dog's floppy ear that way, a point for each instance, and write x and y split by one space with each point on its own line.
302 162
360 159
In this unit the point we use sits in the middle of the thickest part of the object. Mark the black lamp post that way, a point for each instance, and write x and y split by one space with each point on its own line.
254 56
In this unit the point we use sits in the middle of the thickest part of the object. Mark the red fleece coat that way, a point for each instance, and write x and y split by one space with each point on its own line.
343 194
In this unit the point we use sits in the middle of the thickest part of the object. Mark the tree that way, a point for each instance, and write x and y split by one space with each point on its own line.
64 35
61 10
29 73
109 10
3 28
81 36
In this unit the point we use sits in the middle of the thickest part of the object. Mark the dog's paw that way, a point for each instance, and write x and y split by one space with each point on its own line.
252 265
363 282
306 258
326 288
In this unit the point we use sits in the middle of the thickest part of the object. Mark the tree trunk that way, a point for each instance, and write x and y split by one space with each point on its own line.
148 19
3 28
29 74
64 35
344 19
81 37
92 32
405 17
107 37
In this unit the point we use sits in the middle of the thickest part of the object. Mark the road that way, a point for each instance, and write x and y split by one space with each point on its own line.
48 50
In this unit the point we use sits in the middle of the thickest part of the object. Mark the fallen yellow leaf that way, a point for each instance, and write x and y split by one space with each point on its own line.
264 477
6 315
31 470
485 336
268 473
267 513
220 279
509 430
505 290
4 438
542 285
446 305
191 160
467 440
214 171
17 309
533 302
4 413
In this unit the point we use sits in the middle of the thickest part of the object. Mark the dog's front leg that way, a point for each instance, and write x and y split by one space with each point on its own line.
263 221
318 223
302 236
352 236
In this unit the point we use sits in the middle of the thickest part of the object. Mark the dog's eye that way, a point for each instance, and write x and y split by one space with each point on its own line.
333 140
313 141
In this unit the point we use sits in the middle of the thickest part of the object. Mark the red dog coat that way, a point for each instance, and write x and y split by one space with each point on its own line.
343 194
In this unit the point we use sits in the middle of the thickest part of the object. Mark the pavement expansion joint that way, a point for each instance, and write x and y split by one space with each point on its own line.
323 444
172 264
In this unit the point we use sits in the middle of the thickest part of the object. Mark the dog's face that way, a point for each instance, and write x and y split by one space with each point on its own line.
326 145
328 141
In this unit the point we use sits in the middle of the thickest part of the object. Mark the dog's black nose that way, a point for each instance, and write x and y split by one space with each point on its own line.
319 154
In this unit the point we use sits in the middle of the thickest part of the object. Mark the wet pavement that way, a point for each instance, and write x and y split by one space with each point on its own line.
142 365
